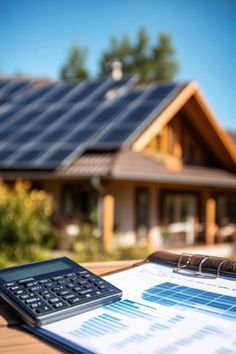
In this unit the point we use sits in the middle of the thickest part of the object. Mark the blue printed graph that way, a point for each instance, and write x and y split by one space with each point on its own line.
99 326
171 294
106 323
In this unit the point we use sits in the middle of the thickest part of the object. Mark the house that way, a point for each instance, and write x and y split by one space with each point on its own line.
151 161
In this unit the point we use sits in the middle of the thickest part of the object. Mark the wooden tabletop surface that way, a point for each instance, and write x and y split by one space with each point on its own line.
15 340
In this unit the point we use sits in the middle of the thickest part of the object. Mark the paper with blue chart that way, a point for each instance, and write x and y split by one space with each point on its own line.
161 312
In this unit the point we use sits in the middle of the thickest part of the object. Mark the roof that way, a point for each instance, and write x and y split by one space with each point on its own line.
125 165
45 125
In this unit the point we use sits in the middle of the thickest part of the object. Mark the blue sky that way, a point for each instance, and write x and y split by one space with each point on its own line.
36 37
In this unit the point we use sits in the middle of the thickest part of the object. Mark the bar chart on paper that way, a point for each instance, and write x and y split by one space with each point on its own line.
125 325
150 318
171 294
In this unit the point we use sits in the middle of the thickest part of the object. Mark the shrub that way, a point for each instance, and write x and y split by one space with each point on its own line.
24 221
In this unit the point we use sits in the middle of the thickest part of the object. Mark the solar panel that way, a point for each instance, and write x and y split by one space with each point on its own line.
80 136
140 112
109 113
25 136
3 83
160 92
55 158
26 117
58 93
114 136
35 94
4 154
5 133
28 156
43 133
79 114
88 90
16 86
131 96
52 115
4 116
53 136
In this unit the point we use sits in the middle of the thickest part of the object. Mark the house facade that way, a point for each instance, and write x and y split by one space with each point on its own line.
167 176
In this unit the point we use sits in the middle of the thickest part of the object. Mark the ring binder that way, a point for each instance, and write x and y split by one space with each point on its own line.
204 266
199 272
180 267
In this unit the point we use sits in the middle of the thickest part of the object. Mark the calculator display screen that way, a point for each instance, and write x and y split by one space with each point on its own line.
34 270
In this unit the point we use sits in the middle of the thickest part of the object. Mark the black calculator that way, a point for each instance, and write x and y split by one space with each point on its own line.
48 291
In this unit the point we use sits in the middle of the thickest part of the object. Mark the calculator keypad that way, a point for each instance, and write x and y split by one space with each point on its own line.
61 291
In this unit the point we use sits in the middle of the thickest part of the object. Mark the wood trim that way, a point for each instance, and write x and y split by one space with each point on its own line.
164 117
210 219
108 222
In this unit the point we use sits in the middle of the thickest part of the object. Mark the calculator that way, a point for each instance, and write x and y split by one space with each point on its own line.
48 291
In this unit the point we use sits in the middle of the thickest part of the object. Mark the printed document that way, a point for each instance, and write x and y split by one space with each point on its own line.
161 312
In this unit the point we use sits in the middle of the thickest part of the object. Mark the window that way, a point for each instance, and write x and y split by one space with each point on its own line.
78 202
142 214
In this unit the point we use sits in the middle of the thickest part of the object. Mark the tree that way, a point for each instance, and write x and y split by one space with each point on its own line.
75 69
152 63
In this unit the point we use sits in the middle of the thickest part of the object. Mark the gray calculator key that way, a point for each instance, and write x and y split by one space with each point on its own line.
60 304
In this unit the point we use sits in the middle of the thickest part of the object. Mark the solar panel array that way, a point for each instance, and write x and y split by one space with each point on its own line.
49 124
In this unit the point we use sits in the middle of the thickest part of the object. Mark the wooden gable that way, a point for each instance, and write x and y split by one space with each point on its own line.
187 132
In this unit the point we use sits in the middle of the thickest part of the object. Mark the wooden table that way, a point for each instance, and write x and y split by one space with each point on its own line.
15 340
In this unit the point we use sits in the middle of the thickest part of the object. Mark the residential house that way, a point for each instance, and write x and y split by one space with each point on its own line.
151 161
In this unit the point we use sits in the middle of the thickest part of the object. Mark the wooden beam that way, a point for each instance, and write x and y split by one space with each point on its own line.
108 222
210 220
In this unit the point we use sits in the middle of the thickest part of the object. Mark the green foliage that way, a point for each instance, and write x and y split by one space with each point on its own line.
75 69
24 221
152 63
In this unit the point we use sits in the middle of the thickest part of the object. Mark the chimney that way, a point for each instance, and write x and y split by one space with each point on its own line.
116 70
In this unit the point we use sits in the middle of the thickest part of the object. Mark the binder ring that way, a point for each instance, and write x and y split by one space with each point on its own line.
199 271
181 266
220 266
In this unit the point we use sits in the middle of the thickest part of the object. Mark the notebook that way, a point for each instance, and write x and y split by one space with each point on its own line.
171 304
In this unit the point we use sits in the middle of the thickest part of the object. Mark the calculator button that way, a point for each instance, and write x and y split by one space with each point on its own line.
35 288
70 286
19 292
8 285
44 292
63 281
86 291
69 296
43 309
28 285
78 288
33 299
44 281
48 285
74 300
49 296
68 275
37 304
58 277
58 288
73 279
14 288
54 299
25 296
82 282
59 304
63 292
87 275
